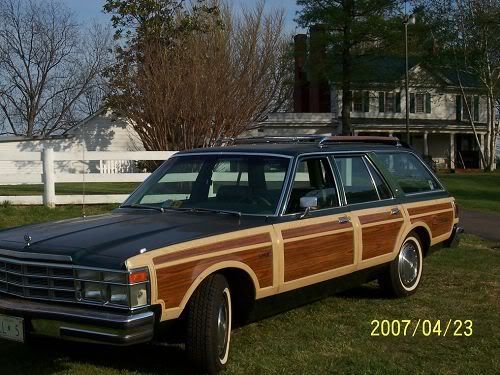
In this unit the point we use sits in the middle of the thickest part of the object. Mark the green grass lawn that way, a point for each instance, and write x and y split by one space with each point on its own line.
328 336
71 188
478 191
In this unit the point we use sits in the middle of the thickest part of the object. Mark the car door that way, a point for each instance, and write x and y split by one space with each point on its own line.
318 245
378 218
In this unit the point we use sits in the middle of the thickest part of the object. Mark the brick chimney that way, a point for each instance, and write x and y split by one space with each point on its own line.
301 84
319 91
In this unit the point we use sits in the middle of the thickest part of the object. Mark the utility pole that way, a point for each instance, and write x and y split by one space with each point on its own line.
409 19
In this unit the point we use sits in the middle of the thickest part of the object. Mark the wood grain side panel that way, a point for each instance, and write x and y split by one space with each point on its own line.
323 253
214 247
438 223
382 216
429 208
380 239
174 282
314 229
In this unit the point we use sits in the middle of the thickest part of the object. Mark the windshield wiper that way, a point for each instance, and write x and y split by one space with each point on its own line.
143 207
214 210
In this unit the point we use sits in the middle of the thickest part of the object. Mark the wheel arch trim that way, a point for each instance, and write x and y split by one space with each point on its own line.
174 313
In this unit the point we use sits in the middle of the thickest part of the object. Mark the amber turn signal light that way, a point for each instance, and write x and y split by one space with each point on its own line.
138 277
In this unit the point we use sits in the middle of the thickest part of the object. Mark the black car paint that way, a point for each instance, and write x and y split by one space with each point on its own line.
107 241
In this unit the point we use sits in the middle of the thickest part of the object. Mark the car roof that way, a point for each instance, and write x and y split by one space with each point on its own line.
295 149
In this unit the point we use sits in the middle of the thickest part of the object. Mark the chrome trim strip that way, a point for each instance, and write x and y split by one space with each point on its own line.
231 153
26 255
377 171
371 177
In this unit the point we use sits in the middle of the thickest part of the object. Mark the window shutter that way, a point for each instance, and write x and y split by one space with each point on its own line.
459 107
427 103
366 101
352 99
412 102
398 102
476 108
381 101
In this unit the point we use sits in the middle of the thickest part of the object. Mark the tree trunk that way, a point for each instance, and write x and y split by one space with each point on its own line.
471 119
347 70
493 132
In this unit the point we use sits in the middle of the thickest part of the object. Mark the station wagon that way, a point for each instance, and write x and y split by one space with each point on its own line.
213 230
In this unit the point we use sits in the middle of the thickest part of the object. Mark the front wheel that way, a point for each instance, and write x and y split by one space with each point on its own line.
209 325
403 275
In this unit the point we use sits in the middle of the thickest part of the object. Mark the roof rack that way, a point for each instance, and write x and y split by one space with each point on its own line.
320 140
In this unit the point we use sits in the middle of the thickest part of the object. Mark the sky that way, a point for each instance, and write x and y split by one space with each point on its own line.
89 10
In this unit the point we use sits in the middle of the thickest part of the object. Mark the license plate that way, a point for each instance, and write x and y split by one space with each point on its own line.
12 328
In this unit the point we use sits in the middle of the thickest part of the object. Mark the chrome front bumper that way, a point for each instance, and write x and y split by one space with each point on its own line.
80 324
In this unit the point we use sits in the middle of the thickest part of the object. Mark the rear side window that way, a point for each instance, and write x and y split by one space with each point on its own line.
409 172
358 184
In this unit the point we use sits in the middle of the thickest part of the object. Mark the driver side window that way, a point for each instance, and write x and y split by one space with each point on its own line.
313 178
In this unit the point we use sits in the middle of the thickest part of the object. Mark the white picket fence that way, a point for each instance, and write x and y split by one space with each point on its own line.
48 177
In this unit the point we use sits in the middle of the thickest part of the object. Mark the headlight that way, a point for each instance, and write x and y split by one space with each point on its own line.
119 295
95 292
119 289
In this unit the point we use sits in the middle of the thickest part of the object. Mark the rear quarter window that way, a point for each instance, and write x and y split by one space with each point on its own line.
411 174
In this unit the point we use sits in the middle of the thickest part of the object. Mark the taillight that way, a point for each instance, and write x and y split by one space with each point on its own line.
457 210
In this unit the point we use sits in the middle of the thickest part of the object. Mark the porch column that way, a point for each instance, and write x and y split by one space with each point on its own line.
481 147
452 151
426 143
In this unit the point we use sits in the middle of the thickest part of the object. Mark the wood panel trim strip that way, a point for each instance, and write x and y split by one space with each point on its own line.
316 235
255 239
302 231
429 208
382 216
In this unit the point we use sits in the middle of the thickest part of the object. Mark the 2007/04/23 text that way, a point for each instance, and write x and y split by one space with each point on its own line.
424 327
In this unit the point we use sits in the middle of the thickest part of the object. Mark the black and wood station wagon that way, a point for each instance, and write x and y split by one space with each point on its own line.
212 230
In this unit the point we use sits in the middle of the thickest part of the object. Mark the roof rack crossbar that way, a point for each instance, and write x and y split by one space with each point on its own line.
280 139
320 140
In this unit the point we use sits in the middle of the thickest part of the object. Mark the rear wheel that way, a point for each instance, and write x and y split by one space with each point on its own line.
209 322
403 275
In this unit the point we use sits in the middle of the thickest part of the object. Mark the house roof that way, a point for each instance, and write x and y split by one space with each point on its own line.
391 69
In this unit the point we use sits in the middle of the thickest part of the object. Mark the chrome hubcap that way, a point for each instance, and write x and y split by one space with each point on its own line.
408 264
222 327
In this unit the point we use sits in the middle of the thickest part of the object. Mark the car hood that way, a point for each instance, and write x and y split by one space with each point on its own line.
108 240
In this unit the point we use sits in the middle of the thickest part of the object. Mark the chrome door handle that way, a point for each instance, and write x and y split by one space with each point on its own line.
344 219
395 211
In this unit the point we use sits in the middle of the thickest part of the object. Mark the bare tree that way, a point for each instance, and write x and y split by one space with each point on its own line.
47 66
211 84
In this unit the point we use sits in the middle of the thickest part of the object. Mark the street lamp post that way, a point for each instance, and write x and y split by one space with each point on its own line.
409 19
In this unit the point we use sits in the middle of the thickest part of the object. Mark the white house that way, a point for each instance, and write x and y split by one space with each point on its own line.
439 121
102 131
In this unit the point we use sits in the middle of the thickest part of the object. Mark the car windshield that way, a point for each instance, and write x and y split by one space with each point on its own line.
246 184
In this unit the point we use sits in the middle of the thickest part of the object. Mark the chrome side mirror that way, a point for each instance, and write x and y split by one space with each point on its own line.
308 203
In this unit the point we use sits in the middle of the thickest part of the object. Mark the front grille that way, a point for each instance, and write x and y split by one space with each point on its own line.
38 281
58 282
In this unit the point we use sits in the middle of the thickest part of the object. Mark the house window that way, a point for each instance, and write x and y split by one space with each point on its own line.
420 103
473 104
419 99
360 101
381 101
389 102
